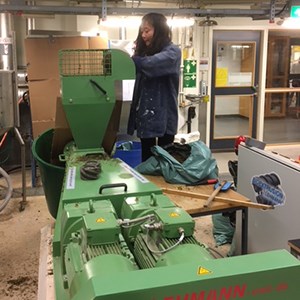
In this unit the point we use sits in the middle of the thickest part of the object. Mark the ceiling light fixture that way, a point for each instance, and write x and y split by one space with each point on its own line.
135 22
118 22
290 23
177 22
208 22
95 32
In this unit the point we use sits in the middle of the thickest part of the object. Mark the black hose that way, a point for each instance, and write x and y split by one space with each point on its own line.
90 170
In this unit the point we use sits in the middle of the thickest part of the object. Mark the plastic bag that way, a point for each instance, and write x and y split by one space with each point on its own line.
223 230
124 145
199 165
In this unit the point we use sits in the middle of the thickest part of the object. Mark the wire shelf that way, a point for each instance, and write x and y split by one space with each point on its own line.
85 62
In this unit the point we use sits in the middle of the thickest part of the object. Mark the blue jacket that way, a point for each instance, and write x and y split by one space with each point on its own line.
154 110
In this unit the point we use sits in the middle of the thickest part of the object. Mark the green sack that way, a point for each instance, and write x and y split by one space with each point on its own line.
199 165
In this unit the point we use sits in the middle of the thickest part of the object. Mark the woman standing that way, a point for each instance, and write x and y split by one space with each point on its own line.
154 111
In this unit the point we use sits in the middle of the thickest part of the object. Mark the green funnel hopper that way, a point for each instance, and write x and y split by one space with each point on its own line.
88 91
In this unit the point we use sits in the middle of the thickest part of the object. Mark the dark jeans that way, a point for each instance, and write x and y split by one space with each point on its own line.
147 144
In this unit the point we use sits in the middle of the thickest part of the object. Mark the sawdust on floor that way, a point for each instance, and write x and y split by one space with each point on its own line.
20 247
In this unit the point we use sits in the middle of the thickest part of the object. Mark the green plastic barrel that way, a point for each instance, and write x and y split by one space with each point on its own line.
52 176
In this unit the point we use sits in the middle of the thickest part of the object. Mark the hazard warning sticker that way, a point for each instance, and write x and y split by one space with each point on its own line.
100 220
203 271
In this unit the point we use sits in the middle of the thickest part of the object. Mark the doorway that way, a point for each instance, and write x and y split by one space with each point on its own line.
234 82
282 98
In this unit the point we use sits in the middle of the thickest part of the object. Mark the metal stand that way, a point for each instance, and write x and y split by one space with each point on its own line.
23 166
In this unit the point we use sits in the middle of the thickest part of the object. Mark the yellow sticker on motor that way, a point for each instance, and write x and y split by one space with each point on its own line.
100 220
203 271
174 215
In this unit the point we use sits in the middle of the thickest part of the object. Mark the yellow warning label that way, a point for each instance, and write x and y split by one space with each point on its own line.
100 220
174 215
203 271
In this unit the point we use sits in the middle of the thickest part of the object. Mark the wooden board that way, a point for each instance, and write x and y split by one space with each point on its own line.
295 246
194 205
46 280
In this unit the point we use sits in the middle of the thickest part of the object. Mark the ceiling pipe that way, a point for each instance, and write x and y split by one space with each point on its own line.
30 21
85 10
272 12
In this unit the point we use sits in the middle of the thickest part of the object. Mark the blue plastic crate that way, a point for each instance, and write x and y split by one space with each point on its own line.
129 152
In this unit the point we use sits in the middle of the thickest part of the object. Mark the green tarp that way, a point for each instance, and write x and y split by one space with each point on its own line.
199 164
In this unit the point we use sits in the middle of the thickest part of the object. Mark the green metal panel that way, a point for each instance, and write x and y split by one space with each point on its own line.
88 91
184 254
136 206
114 171
71 220
101 227
173 219
266 276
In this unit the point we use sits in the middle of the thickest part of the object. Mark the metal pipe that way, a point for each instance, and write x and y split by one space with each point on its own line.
85 10
181 91
6 58
8 62
23 166
30 21
191 115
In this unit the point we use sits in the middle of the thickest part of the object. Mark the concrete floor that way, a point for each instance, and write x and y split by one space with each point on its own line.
20 233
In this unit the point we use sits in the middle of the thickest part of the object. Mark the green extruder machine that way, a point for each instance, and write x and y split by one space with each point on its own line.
117 236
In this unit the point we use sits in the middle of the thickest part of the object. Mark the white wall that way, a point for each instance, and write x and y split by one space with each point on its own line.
57 22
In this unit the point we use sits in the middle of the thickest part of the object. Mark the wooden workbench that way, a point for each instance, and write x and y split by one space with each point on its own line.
195 206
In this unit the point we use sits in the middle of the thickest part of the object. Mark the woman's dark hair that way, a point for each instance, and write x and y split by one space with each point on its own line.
161 38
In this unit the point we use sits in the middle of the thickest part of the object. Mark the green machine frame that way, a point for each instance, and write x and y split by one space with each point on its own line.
117 236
